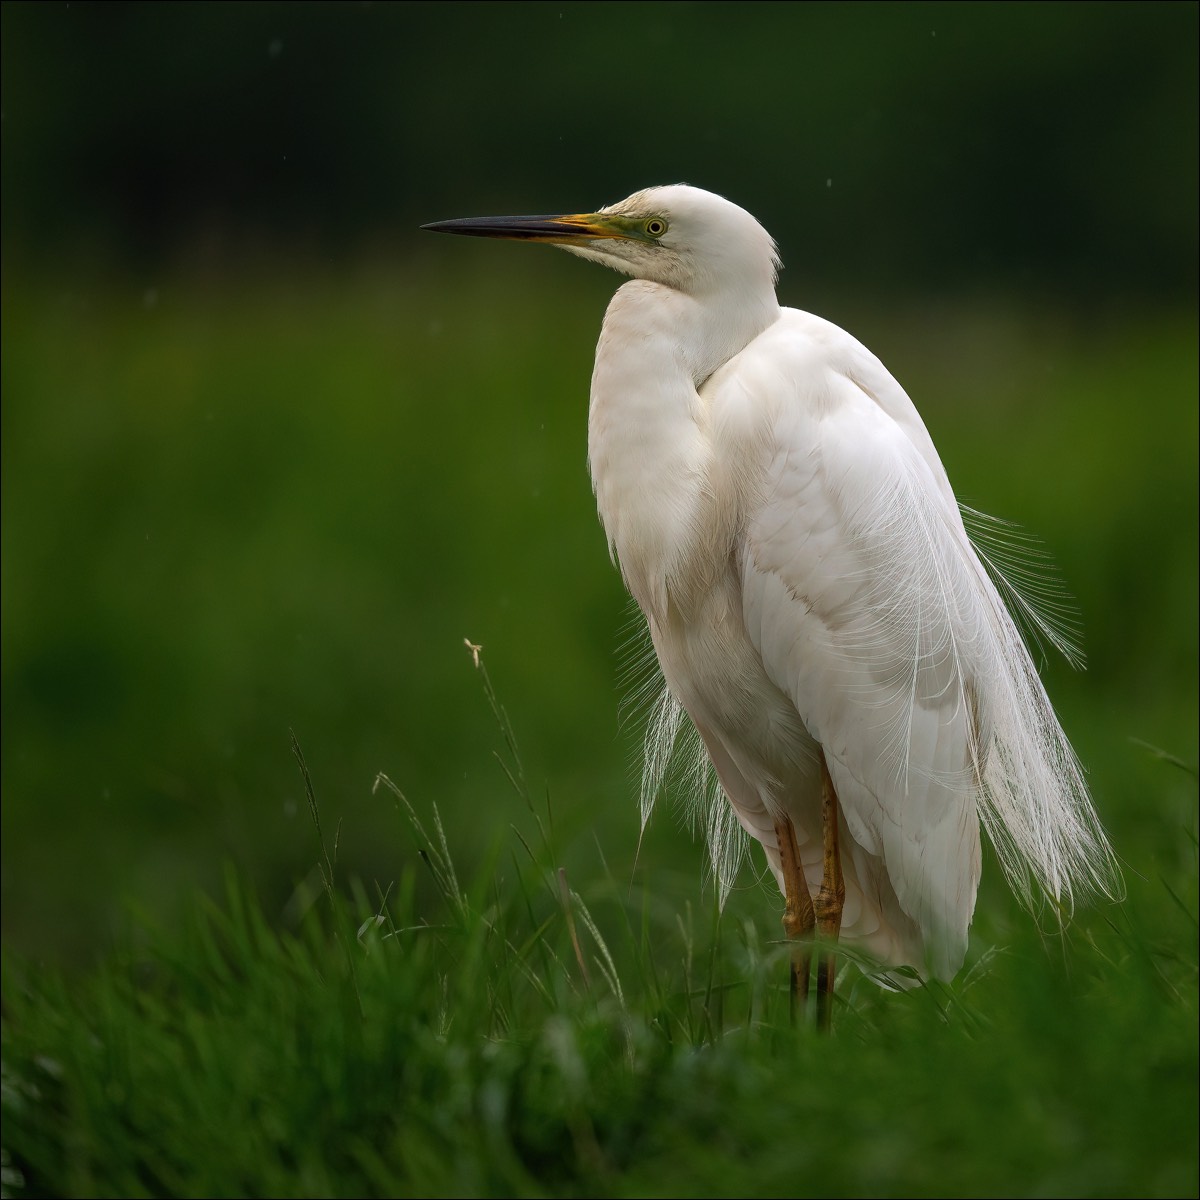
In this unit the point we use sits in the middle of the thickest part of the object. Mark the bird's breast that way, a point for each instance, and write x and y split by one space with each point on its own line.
651 461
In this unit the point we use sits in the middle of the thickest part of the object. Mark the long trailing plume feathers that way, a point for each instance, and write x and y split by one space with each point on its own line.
1037 809
1028 579
673 757
937 623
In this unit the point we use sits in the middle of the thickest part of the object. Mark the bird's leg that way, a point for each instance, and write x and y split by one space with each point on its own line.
799 919
831 897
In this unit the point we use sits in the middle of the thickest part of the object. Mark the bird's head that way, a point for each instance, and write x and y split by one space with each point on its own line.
679 236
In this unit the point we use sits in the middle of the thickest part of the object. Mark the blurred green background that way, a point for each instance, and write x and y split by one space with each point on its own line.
270 454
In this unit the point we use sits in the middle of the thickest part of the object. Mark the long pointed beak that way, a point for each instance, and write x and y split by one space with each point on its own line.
563 230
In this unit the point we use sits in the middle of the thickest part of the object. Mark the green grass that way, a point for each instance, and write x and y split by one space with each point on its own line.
526 1032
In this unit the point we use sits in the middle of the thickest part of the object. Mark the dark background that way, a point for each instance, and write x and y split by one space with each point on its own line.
1040 145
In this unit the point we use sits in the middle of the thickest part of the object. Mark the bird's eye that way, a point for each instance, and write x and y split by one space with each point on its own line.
656 227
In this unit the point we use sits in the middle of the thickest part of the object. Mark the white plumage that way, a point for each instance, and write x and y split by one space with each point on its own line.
783 520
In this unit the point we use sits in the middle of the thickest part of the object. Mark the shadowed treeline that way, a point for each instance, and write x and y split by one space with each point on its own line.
1039 145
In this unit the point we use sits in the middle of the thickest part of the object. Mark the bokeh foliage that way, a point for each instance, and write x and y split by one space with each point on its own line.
269 454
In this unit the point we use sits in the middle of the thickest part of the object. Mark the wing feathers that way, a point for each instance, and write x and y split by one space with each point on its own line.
867 607
872 610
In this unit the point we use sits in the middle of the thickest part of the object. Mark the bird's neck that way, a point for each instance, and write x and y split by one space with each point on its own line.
649 447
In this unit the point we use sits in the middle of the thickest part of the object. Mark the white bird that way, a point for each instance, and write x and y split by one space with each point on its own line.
782 518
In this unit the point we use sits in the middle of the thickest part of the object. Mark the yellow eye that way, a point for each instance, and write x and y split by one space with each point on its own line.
655 227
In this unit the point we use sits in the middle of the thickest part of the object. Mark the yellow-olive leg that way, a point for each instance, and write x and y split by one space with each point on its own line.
830 899
799 918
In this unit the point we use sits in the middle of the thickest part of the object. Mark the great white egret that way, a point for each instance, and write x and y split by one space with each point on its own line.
783 520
